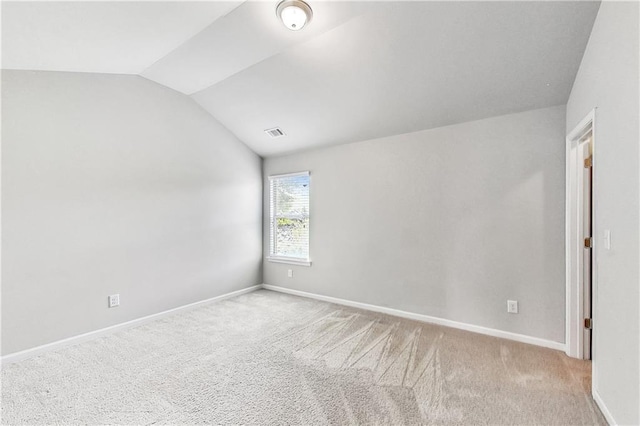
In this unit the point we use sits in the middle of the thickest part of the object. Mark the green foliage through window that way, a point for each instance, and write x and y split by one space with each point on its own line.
289 207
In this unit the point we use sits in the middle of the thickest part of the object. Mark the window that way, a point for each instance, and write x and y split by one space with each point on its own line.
289 218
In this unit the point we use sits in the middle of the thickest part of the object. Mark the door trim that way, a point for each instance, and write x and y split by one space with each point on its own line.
574 336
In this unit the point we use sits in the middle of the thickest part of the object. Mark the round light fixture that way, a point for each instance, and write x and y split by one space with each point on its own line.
295 14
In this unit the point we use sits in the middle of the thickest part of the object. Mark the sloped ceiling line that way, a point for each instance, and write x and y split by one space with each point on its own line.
361 70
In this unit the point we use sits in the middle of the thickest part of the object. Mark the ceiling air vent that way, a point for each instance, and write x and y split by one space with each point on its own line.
276 132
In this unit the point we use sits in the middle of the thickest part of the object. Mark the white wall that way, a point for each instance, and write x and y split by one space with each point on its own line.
114 184
608 80
449 222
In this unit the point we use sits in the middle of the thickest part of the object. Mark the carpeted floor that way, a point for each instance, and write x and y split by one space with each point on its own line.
270 358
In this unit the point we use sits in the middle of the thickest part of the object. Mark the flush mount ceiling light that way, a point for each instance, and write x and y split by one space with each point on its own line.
295 14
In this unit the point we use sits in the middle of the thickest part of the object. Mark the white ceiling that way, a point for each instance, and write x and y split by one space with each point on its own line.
106 37
250 34
360 70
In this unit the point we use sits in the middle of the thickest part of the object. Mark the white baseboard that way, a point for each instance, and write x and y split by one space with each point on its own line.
603 408
425 318
28 353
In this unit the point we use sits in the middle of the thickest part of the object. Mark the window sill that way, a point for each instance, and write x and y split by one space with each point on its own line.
289 260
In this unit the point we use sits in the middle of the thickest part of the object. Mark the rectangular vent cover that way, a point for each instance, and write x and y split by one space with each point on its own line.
276 132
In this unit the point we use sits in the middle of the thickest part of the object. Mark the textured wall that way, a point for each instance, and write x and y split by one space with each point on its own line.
608 80
114 184
449 222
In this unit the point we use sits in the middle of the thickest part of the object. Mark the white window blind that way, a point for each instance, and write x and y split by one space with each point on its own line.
289 213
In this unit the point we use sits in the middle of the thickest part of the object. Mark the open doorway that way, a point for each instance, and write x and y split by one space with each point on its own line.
580 231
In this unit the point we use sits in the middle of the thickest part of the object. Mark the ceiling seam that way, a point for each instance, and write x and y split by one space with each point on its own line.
189 39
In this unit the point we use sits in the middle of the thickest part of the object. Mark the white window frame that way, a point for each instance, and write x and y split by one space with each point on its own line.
285 259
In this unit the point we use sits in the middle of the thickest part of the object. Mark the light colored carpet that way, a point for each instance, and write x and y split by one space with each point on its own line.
270 358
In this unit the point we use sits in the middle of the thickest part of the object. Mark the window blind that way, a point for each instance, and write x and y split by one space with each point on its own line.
289 213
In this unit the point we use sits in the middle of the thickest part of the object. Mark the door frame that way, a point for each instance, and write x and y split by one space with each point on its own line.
574 336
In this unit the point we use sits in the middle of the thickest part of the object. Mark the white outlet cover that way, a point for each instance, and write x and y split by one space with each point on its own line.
512 306
114 300
290 273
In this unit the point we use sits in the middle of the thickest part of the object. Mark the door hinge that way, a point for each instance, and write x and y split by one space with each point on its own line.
588 243
588 323
588 162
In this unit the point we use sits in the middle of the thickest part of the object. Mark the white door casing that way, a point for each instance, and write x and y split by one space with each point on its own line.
581 138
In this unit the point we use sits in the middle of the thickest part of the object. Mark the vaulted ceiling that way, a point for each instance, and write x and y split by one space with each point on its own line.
359 70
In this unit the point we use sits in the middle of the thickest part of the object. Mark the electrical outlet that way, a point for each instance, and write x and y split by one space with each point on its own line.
512 306
114 300
290 273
